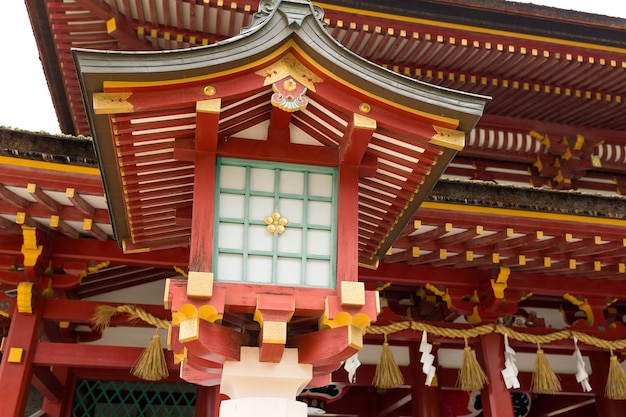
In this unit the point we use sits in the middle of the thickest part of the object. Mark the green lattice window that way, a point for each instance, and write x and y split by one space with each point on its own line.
249 191
133 399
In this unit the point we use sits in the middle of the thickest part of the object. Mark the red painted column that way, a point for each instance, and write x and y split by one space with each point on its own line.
425 401
54 408
600 366
348 224
372 404
15 377
496 398
201 244
208 401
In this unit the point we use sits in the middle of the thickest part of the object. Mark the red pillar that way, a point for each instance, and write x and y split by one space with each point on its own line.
496 398
58 407
348 224
372 403
425 401
15 377
208 401
600 366
201 245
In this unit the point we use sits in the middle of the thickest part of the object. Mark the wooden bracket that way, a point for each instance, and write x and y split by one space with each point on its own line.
273 312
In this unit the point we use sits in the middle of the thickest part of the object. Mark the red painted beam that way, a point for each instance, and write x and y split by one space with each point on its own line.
81 311
290 153
186 95
471 279
63 248
20 175
92 356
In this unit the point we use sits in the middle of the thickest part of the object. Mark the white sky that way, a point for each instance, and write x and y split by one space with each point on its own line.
25 101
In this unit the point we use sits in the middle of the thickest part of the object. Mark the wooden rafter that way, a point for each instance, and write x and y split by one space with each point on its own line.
114 25
10 197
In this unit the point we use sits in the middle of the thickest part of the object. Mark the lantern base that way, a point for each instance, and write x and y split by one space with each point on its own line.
262 389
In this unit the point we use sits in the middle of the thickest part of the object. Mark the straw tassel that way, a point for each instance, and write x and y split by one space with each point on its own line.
471 375
388 374
616 381
152 365
545 380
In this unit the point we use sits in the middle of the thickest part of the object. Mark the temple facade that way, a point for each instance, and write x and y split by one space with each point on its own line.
294 208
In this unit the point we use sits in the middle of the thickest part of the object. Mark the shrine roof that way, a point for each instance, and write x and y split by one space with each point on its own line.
502 225
565 68
404 36
512 145
416 128
47 147
555 76
511 16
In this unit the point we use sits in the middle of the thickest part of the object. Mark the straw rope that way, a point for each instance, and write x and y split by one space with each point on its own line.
152 365
104 313
135 312
473 332
138 313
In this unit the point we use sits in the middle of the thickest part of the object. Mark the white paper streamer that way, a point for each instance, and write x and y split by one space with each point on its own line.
510 371
351 365
427 359
581 376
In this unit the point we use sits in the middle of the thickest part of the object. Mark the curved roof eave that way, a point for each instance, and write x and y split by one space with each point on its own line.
289 20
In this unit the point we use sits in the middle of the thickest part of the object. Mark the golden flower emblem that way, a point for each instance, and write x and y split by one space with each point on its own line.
276 223
290 85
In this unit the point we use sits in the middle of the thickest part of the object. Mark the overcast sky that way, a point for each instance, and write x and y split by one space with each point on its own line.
25 101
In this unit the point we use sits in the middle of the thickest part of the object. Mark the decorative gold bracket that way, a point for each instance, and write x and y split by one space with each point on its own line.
499 284
583 305
445 295
25 297
30 249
